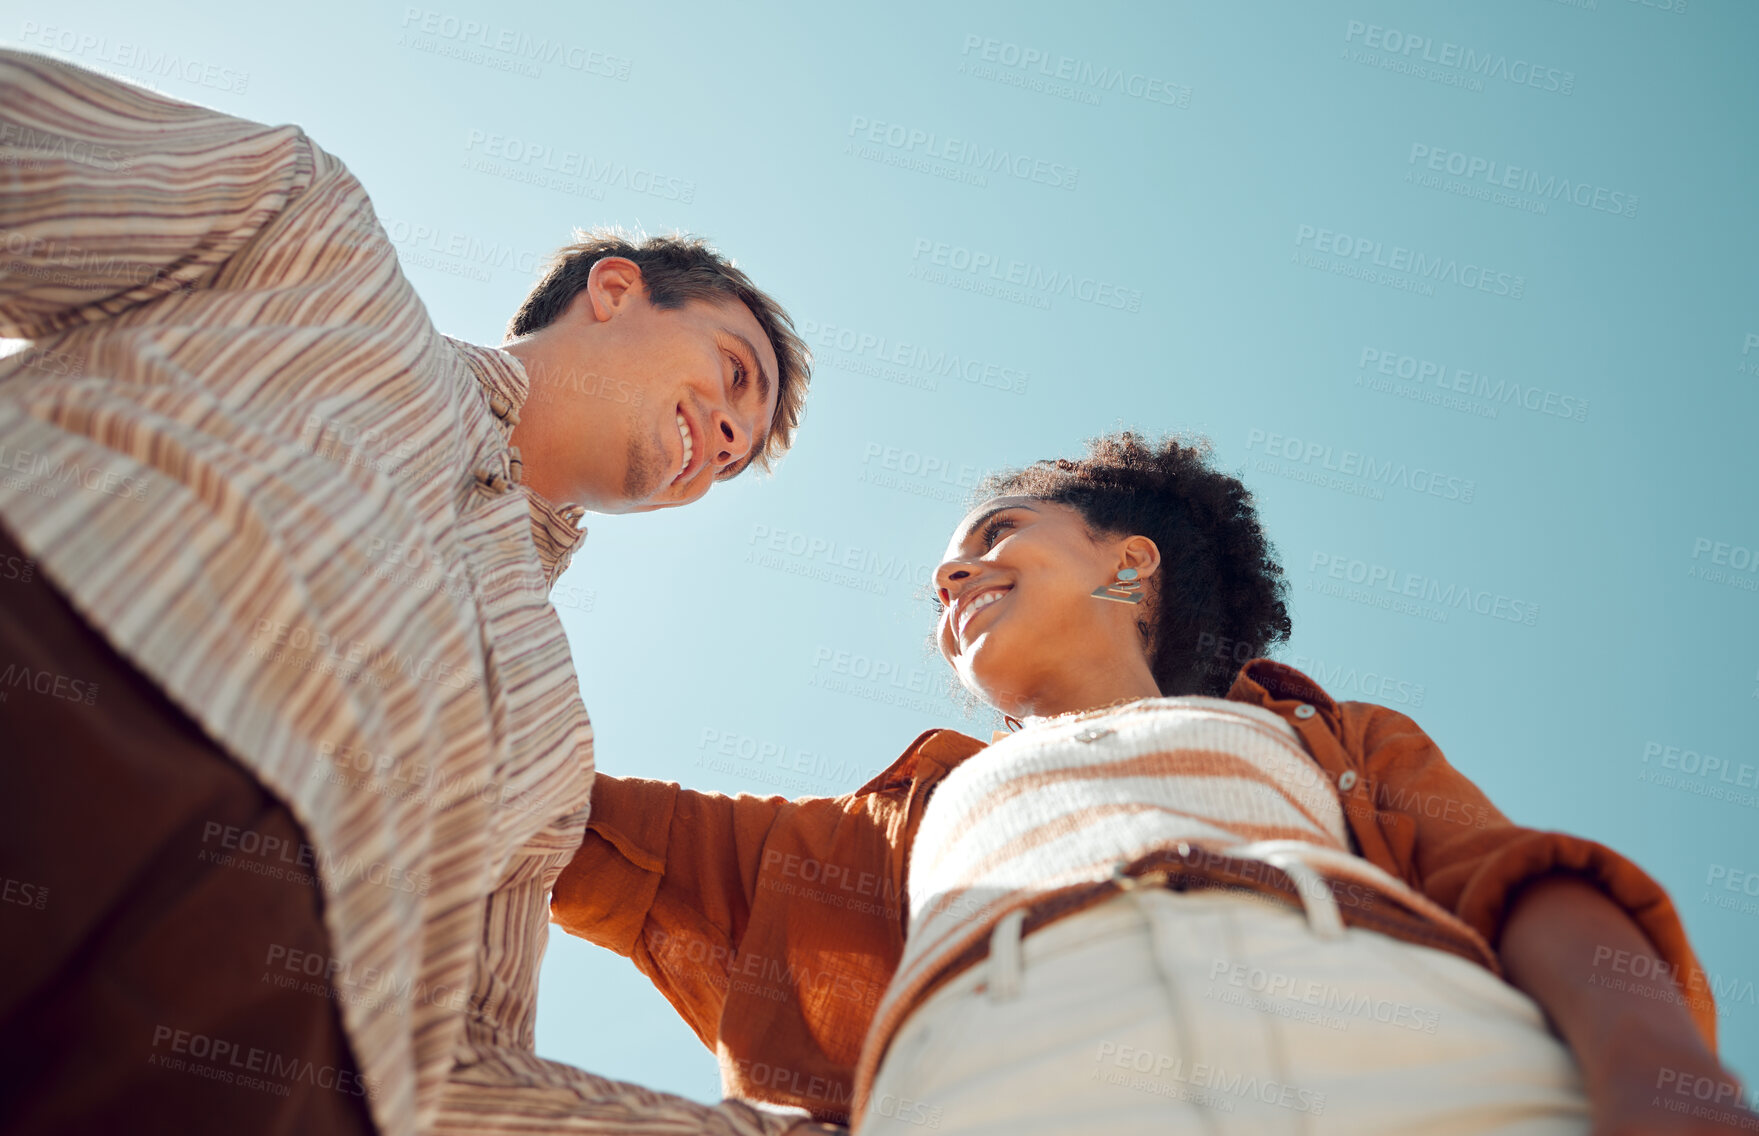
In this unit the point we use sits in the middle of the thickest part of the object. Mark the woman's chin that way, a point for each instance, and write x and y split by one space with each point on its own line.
995 685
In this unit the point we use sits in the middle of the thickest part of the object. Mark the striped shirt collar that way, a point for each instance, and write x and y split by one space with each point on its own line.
555 529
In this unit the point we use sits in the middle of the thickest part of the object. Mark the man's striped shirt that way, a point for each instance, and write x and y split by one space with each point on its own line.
240 448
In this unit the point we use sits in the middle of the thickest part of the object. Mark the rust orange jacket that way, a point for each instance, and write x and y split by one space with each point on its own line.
773 925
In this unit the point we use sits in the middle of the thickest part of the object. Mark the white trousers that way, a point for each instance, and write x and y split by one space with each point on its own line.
1218 1012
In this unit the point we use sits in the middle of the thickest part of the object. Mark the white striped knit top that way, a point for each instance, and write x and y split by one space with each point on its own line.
1062 801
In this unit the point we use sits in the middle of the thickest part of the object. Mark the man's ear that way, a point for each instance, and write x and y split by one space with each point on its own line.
611 285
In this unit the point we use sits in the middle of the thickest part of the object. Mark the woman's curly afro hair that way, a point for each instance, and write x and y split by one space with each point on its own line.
1219 597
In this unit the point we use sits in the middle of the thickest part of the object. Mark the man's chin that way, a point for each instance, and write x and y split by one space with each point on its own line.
663 501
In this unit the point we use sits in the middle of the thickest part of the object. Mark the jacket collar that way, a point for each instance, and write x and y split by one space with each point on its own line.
1262 682
942 749
555 529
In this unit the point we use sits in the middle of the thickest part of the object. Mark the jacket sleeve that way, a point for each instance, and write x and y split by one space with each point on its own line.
111 195
1457 848
666 877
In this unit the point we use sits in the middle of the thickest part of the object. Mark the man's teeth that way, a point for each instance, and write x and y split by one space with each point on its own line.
684 432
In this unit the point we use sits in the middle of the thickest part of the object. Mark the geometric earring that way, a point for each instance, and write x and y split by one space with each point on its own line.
1127 588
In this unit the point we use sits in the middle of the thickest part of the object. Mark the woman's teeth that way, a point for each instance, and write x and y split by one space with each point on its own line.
684 432
978 605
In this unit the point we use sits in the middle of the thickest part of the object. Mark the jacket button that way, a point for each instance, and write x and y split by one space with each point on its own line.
1347 780
1092 734
1305 711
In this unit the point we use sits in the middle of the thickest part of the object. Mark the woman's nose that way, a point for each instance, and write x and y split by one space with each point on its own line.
947 577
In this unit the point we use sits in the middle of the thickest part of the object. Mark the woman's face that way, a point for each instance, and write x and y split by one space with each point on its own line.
1019 622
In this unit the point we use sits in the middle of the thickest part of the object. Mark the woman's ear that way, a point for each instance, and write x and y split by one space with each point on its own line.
1142 554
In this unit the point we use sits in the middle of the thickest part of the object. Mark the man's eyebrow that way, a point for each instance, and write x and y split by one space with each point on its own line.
977 522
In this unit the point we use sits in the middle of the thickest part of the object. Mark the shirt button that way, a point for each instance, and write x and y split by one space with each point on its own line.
1092 734
1305 711
1347 780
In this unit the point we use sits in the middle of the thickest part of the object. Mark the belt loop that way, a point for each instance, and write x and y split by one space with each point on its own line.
1004 956
1317 901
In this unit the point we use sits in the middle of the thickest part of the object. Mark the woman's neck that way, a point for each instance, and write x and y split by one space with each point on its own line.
1090 689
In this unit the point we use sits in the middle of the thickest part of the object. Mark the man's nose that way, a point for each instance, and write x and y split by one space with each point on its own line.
731 438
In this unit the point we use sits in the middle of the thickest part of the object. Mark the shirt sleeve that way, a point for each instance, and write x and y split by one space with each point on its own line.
111 195
1463 853
666 877
499 1083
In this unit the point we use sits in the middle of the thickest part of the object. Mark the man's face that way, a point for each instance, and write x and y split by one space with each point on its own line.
636 408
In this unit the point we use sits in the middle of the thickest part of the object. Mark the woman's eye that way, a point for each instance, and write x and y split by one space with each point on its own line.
738 372
992 530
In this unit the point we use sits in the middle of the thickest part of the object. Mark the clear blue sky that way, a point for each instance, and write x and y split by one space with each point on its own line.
1470 293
